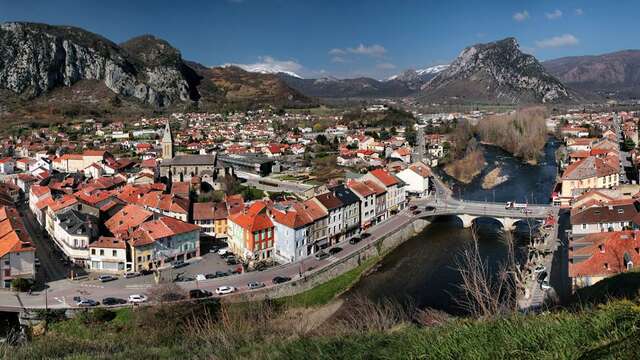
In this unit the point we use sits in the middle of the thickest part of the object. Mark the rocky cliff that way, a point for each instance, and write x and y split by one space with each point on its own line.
37 58
495 72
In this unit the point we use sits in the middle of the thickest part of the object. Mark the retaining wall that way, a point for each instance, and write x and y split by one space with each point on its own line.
311 279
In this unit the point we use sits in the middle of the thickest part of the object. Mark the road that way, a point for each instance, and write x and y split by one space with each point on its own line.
447 205
60 293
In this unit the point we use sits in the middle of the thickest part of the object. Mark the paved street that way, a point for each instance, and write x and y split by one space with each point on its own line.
60 293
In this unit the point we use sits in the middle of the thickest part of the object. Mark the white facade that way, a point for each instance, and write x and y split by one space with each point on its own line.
290 243
415 183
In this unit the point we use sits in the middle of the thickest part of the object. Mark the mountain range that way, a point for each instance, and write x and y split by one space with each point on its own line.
49 66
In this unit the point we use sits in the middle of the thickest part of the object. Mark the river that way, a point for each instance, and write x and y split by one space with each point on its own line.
423 271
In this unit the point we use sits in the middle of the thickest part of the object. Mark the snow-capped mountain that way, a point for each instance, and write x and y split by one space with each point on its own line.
265 68
427 72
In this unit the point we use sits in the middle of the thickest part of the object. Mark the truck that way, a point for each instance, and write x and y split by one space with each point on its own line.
515 205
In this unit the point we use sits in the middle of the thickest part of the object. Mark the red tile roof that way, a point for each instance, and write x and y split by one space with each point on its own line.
254 218
164 227
128 218
384 177
603 254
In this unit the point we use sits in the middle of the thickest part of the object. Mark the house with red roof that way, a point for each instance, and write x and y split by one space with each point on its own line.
367 198
108 255
251 233
416 177
212 218
292 224
7 165
597 256
588 173
159 242
395 188
17 252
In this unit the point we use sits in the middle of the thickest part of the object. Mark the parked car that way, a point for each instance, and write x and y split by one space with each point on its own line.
320 255
417 212
210 276
545 285
179 264
224 290
354 240
365 235
146 272
131 274
106 278
36 262
221 274
231 260
184 278
280 279
199 294
237 270
335 250
87 303
201 277
428 208
255 285
413 207
137 298
224 252
113 301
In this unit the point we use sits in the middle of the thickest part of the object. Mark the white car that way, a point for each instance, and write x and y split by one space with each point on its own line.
223 251
137 298
223 290
201 277
131 274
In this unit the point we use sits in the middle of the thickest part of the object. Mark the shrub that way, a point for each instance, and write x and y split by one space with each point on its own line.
21 284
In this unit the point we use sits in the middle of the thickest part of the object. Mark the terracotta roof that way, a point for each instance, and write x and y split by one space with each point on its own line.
421 169
166 202
329 200
314 210
590 167
253 219
164 227
13 235
611 212
295 217
379 190
384 177
108 243
603 254
360 188
128 218
203 211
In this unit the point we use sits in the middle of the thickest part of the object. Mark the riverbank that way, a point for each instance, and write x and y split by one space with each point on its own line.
493 178
466 169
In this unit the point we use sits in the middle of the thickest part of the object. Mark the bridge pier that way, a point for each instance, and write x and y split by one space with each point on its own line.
467 220
508 224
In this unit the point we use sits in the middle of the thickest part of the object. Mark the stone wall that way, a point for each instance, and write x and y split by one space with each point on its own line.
314 278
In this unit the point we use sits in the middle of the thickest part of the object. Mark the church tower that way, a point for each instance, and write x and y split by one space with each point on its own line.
167 143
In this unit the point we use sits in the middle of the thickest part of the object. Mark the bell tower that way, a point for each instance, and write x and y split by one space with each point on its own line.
167 143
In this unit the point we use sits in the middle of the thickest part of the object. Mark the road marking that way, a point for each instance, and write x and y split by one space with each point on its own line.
138 286
92 286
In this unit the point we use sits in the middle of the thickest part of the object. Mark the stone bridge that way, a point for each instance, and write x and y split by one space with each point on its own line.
468 211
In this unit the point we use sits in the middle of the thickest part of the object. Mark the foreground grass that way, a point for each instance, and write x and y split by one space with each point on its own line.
608 331
327 291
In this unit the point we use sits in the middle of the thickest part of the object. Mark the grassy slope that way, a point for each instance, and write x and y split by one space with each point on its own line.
590 331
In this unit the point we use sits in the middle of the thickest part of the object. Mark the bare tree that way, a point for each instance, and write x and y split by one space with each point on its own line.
484 294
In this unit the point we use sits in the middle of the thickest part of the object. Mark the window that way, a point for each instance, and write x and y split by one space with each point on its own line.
584 226
101 252
114 253
93 251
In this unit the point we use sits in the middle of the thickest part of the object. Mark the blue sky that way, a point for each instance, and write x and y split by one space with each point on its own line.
346 38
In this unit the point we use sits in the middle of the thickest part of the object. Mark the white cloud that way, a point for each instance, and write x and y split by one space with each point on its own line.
338 59
374 50
521 16
268 64
385 66
579 12
558 41
555 14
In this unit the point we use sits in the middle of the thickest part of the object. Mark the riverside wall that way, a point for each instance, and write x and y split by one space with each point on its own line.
313 278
